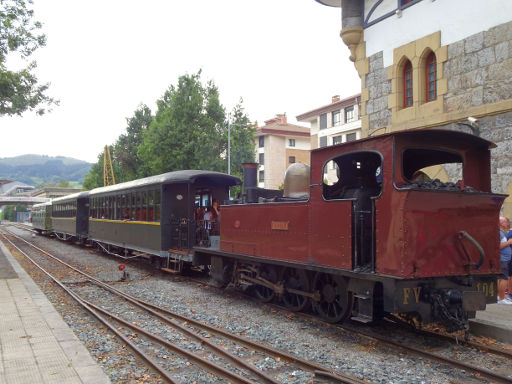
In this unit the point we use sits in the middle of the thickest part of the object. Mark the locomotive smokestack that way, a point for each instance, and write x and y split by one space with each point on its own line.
250 175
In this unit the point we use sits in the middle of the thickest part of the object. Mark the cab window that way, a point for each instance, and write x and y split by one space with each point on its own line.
345 174
431 169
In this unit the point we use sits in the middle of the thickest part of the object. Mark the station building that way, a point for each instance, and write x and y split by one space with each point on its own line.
433 63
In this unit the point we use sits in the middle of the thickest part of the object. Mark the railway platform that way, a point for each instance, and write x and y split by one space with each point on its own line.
494 322
36 345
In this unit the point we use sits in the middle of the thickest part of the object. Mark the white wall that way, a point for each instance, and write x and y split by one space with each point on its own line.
456 19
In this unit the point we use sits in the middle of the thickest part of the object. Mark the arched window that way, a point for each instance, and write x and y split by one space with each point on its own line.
431 77
407 86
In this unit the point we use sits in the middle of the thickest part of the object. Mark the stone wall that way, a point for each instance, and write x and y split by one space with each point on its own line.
379 87
476 76
479 69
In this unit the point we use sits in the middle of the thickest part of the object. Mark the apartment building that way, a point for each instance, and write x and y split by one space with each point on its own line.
334 123
279 144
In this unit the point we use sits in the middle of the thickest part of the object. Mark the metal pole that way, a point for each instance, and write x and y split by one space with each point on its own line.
229 146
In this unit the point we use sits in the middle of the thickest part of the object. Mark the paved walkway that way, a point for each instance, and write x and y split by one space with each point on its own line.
36 345
495 322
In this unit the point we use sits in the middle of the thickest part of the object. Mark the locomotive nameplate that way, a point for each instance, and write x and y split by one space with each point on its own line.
279 225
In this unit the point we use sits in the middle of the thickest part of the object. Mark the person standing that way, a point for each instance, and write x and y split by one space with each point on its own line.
505 257
508 291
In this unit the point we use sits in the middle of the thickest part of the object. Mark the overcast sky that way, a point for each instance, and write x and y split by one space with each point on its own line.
104 58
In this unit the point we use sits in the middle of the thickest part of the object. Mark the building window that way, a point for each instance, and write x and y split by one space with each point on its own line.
291 159
291 142
336 140
407 78
351 136
323 141
323 121
261 141
262 159
349 114
262 176
431 77
336 118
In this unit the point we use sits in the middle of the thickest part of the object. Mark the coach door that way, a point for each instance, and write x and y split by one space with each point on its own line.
178 215
82 216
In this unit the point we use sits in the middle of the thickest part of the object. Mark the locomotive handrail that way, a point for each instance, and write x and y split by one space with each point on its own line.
476 244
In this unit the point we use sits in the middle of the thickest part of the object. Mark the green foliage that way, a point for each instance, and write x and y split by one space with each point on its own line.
19 90
242 140
188 130
126 162
94 178
37 169
9 211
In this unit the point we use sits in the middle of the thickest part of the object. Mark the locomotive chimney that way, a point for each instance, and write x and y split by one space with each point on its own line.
250 175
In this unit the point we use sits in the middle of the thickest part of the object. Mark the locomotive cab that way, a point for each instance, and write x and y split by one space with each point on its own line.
357 179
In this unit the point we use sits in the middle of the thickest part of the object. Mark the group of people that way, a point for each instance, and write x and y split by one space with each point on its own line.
207 219
505 279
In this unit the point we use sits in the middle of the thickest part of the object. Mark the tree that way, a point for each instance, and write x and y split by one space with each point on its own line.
125 149
94 178
188 131
242 134
19 90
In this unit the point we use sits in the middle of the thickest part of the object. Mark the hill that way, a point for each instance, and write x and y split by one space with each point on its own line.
38 169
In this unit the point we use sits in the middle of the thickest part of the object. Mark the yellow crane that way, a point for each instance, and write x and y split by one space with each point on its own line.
108 170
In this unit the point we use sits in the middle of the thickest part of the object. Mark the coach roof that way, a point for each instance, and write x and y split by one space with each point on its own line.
176 177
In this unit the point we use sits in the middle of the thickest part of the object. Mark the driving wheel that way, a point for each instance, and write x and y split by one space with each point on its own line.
295 279
266 294
336 302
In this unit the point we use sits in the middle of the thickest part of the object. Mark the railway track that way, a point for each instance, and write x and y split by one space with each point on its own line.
433 351
428 344
215 351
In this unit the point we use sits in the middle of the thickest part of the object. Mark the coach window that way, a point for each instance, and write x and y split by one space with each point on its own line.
137 206
144 206
117 207
125 209
346 176
96 208
157 205
151 205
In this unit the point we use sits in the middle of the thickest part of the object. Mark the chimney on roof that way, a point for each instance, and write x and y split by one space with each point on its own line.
336 98
282 118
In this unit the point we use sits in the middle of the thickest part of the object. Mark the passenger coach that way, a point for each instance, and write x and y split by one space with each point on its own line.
70 216
42 217
156 215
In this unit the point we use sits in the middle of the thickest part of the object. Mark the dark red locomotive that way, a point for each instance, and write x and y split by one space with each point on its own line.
369 233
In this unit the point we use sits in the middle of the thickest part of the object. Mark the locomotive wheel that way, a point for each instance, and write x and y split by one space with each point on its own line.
266 294
295 279
336 302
